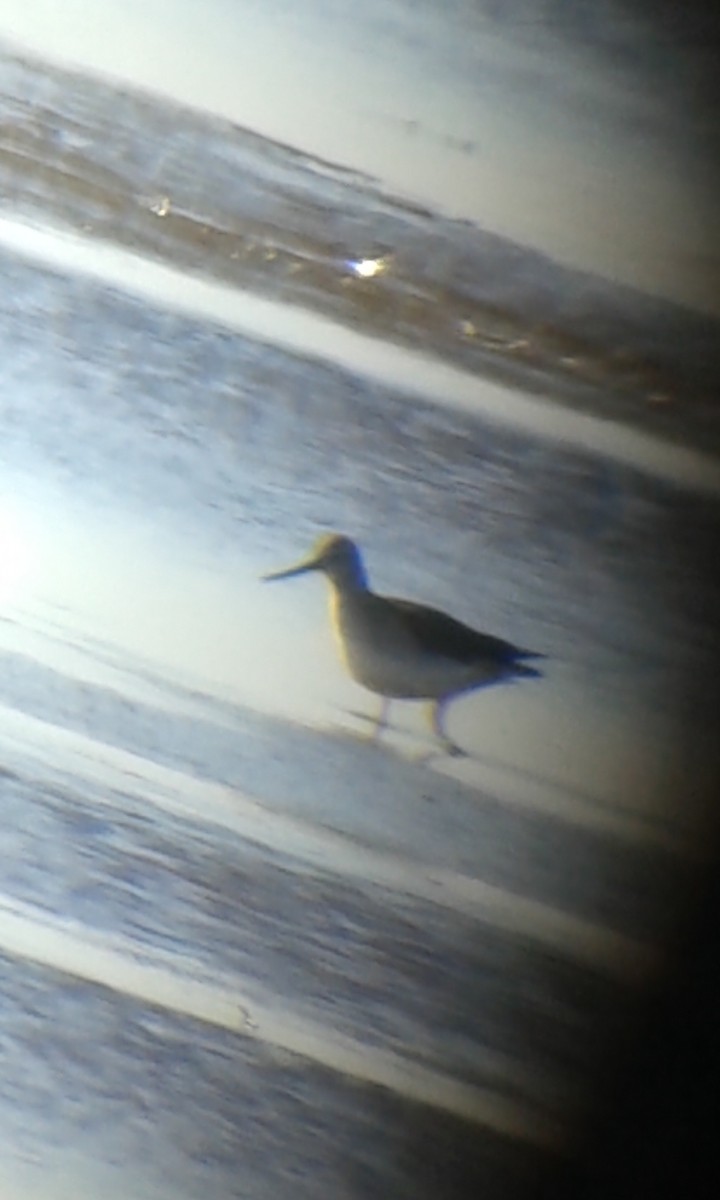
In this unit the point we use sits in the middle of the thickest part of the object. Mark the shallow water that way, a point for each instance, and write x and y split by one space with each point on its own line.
229 207
248 952
589 137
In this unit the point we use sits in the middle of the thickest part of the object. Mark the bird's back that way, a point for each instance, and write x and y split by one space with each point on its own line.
400 648
439 633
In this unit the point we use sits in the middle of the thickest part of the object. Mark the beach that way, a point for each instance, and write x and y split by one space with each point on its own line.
248 951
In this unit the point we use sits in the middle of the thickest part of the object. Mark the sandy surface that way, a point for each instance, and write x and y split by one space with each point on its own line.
245 952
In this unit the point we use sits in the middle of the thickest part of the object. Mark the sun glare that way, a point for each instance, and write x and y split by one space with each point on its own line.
366 268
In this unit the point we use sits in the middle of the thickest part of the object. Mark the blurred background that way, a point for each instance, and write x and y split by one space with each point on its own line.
443 278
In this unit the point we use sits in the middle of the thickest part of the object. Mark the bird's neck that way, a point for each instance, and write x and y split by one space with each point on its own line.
349 579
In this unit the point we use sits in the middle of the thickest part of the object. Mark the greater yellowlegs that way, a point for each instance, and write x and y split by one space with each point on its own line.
402 650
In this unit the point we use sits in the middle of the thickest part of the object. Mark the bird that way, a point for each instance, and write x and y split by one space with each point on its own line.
402 650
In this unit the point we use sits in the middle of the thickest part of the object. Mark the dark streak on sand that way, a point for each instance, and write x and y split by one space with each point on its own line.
224 202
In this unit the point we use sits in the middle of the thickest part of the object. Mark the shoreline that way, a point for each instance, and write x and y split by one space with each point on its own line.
259 217
310 335
580 140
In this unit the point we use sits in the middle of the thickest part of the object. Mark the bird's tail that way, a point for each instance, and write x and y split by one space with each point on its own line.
522 671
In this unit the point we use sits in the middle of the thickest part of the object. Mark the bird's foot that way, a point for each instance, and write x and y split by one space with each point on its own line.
453 750
360 716
377 726
443 748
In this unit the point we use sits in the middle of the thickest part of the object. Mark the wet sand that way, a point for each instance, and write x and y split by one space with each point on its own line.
590 135
197 834
246 952
224 203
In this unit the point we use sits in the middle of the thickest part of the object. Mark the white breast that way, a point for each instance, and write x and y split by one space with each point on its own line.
378 651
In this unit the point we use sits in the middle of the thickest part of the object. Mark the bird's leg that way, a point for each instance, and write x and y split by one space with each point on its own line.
381 721
437 712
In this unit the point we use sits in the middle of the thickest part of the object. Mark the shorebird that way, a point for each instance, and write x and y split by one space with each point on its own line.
402 650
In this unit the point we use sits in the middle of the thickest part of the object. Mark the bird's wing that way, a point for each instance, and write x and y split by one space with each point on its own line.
442 634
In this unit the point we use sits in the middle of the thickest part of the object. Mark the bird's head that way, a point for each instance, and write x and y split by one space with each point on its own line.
337 556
